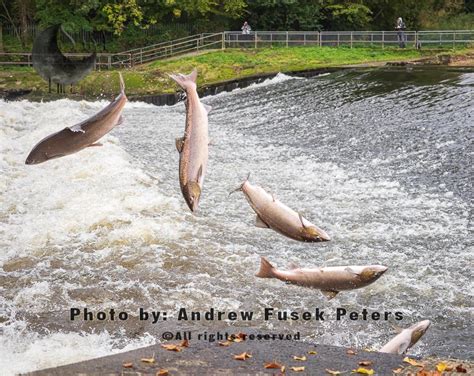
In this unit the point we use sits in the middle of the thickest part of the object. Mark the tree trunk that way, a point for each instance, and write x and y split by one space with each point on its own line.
23 13
1 38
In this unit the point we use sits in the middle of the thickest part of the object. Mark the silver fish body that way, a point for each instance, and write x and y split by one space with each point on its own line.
271 213
406 338
193 146
330 280
70 140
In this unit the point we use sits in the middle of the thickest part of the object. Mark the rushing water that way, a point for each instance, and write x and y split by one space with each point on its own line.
380 159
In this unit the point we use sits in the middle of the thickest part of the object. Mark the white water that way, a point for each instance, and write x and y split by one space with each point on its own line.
108 228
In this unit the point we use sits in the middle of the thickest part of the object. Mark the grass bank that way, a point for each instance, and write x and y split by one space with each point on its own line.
214 67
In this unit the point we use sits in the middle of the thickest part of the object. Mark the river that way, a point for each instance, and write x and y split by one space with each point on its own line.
381 159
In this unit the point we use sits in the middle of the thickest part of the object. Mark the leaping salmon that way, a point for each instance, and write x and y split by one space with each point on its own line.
271 213
80 136
193 146
406 338
330 280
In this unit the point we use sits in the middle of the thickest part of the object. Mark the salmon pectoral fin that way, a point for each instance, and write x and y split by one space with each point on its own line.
199 174
95 144
120 120
329 294
179 144
76 128
259 222
207 107
349 270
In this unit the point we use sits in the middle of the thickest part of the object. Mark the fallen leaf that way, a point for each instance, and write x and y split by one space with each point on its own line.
297 369
273 365
242 356
127 365
363 371
413 362
351 352
365 363
441 366
185 343
301 358
312 352
162 372
172 347
331 372
226 343
148 360
397 370
461 369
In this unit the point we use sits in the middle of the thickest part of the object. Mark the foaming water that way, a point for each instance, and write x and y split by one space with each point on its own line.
377 161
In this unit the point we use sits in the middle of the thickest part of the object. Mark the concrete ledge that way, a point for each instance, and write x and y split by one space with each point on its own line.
204 358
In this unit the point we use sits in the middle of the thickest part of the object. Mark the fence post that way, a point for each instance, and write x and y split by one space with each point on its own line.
141 55
255 36
304 38
131 60
109 61
416 39
383 39
454 40
320 39
223 40
338 39
287 39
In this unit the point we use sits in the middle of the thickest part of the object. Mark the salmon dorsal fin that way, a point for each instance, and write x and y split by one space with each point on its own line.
397 329
350 270
77 128
179 142
260 223
293 266
329 294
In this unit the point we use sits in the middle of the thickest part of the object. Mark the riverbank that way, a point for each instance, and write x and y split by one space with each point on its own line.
219 66
247 357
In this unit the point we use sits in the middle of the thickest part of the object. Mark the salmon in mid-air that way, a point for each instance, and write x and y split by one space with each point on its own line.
271 213
406 338
80 136
193 146
329 280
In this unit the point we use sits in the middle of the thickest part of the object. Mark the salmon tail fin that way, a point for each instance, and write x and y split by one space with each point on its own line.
239 188
122 84
185 81
266 269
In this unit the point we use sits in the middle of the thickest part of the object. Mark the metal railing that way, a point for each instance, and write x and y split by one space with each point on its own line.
259 39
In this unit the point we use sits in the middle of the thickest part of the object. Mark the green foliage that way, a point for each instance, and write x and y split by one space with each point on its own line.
348 16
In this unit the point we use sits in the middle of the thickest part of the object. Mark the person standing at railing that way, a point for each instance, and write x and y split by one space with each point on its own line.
246 28
400 28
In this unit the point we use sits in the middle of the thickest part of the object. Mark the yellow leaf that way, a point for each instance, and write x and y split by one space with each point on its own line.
331 372
162 372
363 371
185 343
312 352
226 343
127 365
413 362
397 370
148 360
301 358
441 366
351 352
172 348
297 369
